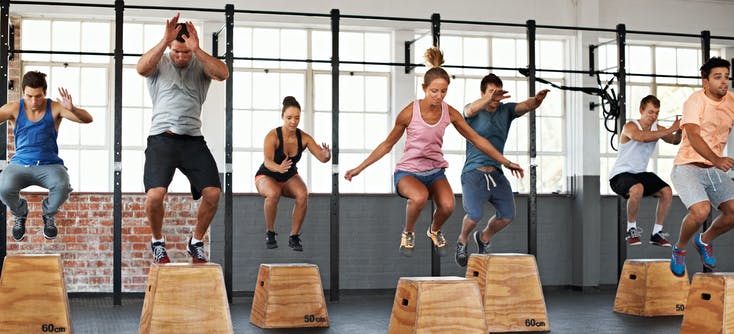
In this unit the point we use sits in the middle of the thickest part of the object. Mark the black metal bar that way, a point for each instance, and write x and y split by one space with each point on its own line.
11 41
533 194
270 12
657 33
228 198
592 59
436 29
621 120
70 4
408 66
730 38
384 18
483 23
4 22
180 9
117 197
545 26
436 36
334 198
215 44
705 45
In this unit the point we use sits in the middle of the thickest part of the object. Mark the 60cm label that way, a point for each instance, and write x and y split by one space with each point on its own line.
50 328
534 323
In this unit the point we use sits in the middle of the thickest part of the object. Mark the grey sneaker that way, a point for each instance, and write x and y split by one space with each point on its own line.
407 242
461 257
19 228
49 227
482 248
439 242
270 241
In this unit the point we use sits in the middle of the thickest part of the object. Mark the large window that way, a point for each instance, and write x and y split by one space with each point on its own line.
83 147
260 87
465 88
672 92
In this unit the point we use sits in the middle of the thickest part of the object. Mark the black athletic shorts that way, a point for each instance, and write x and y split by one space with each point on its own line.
166 152
621 183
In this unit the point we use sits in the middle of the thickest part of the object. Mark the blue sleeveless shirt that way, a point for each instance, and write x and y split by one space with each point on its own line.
35 142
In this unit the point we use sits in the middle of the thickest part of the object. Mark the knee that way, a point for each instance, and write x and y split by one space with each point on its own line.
446 206
154 197
636 191
666 194
699 212
272 197
418 200
504 221
210 195
301 199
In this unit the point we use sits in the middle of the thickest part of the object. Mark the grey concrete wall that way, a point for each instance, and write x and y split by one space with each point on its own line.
370 235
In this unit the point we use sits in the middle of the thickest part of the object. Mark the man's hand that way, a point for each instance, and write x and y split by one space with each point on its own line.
172 29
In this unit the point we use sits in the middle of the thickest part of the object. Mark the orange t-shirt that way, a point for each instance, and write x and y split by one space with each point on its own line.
715 120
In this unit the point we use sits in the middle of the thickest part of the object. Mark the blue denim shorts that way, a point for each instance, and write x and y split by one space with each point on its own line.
697 184
493 187
427 177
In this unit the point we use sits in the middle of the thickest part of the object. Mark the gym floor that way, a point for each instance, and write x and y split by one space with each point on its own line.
569 312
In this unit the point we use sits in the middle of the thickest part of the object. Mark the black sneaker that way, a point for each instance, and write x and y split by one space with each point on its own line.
270 241
633 236
460 257
294 242
160 256
19 227
660 239
481 246
49 227
196 251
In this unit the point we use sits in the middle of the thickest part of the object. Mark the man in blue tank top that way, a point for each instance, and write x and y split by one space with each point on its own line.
482 179
629 177
36 161
178 82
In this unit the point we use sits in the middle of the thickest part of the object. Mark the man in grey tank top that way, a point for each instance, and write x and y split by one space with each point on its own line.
629 177
178 82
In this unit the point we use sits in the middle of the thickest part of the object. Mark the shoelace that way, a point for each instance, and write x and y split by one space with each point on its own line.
409 238
664 234
199 250
635 232
708 249
159 252
440 238
678 255
18 224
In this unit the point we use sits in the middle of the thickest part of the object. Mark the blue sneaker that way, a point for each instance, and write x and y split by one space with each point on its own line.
706 252
678 262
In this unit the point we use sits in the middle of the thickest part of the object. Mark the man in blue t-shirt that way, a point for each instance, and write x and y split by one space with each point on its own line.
36 161
482 179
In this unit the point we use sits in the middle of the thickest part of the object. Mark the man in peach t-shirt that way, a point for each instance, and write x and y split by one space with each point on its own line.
700 168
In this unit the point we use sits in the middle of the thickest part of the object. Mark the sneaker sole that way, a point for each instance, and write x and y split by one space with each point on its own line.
21 238
461 262
476 243
271 246
407 252
297 249
661 245
49 238
634 243
705 265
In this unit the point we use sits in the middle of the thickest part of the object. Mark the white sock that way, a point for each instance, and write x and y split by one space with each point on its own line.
194 240
154 240
656 228
631 225
705 244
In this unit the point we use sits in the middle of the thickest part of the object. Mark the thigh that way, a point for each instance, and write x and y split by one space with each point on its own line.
651 183
267 186
161 160
52 176
295 187
440 191
15 177
621 184
410 187
502 198
198 165
474 194
687 180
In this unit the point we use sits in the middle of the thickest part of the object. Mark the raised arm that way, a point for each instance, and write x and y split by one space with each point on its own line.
214 68
532 103
401 123
675 137
482 103
693 131
631 131
9 112
271 142
69 111
148 63
482 144
323 152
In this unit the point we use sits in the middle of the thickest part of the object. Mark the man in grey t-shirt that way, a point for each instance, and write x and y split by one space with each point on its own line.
178 82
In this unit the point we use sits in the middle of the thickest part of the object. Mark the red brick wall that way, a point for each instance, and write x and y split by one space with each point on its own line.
85 239
85 226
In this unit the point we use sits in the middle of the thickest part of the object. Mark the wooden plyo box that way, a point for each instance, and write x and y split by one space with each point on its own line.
710 304
33 295
648 288
437 305
185 298
511 291
288 296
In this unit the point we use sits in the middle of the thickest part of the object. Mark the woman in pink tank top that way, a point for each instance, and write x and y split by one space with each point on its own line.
420 173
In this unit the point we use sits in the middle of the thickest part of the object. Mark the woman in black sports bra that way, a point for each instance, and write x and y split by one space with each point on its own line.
278 175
